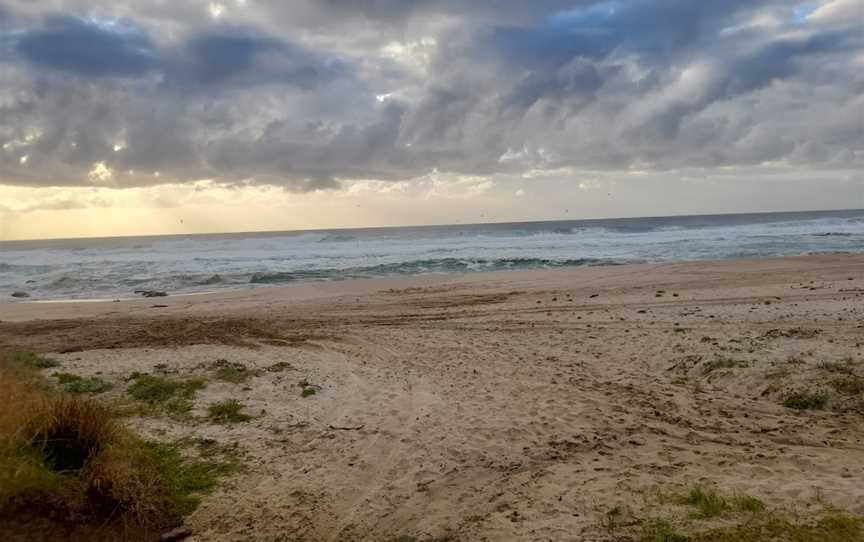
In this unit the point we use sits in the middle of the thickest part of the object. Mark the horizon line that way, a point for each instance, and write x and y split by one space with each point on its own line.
437 225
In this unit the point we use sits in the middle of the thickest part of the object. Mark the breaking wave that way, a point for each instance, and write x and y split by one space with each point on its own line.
110 268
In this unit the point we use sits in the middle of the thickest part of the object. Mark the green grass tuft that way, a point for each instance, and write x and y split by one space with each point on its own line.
172 396
186 478
227 412
233 372
30 360
746 519
772 528
661 531
807 400
747 503
708 503
68 462
73 383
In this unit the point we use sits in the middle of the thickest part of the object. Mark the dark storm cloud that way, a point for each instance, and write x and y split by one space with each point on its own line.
304 94
243 56
87 47
93 47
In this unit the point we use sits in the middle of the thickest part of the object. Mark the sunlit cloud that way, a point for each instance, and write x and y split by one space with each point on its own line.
216 9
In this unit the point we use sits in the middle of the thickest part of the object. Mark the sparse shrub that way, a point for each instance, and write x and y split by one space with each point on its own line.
30 360
747 503
708 503
233 372
72 383
661 531
68 460
279 367
758 525
227 412
773 527
807 400
174 396
308 389
185 478
612 518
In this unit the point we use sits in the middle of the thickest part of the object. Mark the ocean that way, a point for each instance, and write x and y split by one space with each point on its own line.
110 268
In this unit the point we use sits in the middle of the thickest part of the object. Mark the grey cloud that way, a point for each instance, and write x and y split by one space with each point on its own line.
238 56
305 94
86 47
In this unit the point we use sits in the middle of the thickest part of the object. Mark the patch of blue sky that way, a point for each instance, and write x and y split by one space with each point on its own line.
800 13
588 15
109 24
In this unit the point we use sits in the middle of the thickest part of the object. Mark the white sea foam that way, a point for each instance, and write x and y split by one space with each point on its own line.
116 267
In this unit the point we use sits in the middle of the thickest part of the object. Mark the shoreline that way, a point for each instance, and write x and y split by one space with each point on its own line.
16 311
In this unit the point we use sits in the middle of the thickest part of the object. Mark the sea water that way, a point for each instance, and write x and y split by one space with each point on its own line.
116 267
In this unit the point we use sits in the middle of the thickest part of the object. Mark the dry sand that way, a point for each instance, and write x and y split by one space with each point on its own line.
505 406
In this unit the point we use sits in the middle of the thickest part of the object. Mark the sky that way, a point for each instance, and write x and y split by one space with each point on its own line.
164 116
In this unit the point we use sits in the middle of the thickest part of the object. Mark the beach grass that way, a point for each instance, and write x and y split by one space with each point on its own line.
31 361
72 383
233 372
770 528
226 412
717 517
807 400
160 393
66 458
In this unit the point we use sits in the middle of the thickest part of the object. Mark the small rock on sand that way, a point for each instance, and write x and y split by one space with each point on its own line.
151 293
177 534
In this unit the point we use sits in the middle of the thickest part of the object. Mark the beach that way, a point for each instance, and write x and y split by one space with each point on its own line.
514 405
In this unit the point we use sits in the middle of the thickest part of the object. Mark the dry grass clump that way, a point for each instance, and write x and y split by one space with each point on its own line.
66 457
66 464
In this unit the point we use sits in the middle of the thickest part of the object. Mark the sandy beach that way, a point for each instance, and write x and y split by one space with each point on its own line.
524 405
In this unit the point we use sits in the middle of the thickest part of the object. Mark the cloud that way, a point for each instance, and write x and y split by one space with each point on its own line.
308 95
238 56
842 12
88 47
